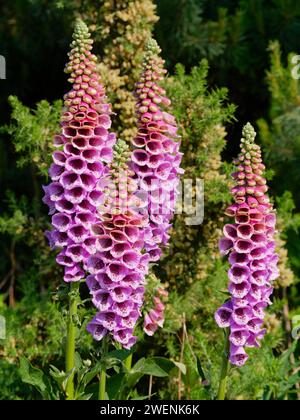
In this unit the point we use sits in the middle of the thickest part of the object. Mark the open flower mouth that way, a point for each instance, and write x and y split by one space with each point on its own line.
238 274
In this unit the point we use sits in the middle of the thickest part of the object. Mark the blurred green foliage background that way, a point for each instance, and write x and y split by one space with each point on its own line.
229 62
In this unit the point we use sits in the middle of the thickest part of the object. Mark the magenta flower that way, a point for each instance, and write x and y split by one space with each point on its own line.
156 158
100 214
84 147
119 267
249 241
156 316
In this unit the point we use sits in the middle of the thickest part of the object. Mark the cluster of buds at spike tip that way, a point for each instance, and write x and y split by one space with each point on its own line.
118 269
156 157
83 149
155 317
249 241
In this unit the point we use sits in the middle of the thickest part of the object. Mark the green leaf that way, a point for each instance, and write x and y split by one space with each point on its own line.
89 376
93 389
200 370
83 396
294 379
114 385
149 367
165 364
119 354
60 377
267 394
181 367
132 379
78 361
32 375
140 398
57 375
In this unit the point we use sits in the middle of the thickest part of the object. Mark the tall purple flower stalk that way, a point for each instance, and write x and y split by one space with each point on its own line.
249 241
141 193
84 147
95 197
118 269
156 157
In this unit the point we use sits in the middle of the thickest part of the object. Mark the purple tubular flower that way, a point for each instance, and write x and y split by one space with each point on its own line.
156 157
119 266
249 241
156 316
83 149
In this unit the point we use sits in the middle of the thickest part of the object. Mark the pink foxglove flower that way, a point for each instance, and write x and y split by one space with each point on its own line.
84 147
156 158
156 316
249 241
118 269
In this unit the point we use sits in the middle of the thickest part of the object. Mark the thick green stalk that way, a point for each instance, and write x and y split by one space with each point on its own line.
71 337
102 385
102 381
128 362
224 369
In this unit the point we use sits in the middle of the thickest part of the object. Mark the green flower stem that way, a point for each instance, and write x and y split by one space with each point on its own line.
102 385
128 362
224 369
71 337
102 380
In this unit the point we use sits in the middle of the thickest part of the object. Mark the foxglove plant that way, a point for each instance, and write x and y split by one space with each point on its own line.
156 157
96 196
118 269
249 241
83 149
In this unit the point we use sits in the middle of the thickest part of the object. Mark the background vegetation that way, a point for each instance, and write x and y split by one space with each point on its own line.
235 66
